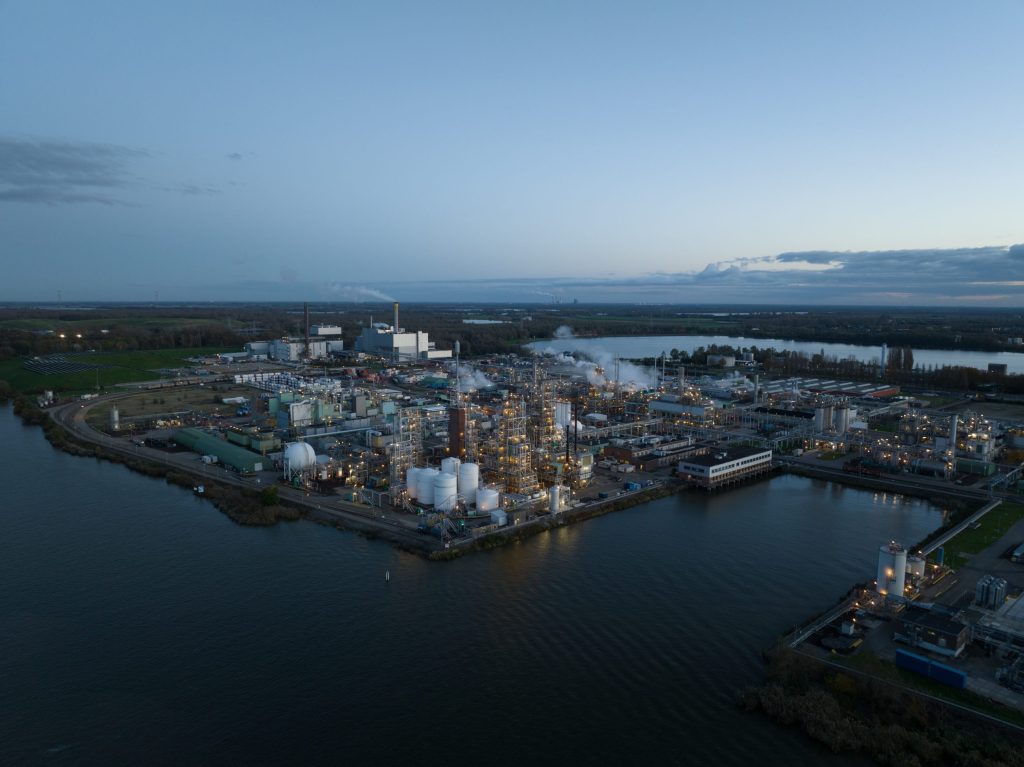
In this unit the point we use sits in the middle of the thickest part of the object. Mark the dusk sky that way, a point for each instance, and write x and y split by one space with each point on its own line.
684 152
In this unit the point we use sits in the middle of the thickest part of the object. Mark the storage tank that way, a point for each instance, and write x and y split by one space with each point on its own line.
450 466
841 419
892 570
411 480
469 481
298 457
446 493
115 419
425 485
555 496
486 499
915 566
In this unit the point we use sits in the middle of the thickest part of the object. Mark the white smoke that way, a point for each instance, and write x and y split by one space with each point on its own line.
564 332
358 293
630 376
472 380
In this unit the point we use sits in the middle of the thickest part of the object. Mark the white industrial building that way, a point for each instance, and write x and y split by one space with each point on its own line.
395 343
325 331
721 467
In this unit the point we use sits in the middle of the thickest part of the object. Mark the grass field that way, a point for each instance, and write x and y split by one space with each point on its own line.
114 368
91 323
991 528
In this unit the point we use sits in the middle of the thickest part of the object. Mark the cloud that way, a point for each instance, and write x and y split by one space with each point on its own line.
235 156
65 172
356 293
54 172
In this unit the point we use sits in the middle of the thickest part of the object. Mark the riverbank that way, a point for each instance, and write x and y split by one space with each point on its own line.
851 712
65 430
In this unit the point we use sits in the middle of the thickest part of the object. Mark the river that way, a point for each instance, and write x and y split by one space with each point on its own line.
653 346
140 625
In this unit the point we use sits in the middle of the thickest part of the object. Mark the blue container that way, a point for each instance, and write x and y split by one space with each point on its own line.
940 555
912 662
947 675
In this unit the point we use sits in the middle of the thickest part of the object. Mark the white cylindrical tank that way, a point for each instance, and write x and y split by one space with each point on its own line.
563 414
892 570
486 499
115 419
499 517
555 496
841 419
450 465
469 481
298 457
425 485
411 480
915 566
446 493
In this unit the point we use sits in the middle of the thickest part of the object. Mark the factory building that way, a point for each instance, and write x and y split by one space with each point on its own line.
325 331
238 458
723 466
932 630
393 342
294 349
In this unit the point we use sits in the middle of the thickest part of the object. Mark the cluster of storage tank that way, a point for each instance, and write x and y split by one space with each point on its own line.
990 592
892 570
443 488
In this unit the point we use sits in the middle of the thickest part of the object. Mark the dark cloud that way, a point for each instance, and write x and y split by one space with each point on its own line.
54 172
59 173
235 156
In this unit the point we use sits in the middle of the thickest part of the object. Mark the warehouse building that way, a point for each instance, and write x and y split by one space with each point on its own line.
238 458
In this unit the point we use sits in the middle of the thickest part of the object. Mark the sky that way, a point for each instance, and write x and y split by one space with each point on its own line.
678 152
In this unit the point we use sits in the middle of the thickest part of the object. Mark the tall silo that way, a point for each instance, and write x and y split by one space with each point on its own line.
892 570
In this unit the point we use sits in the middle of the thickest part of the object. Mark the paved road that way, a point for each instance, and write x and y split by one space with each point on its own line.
72 416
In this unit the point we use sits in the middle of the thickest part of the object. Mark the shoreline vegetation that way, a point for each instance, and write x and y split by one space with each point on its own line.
851 712
268 507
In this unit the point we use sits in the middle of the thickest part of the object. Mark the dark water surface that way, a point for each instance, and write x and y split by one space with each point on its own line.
139 625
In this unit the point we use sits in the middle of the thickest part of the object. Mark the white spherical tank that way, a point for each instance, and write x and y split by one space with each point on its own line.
469 481
915 566
486 499
425 485
892 570
446 493
411 479
555 496
450 466
299 457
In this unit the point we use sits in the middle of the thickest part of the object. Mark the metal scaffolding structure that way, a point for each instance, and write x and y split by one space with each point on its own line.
511 458
406 450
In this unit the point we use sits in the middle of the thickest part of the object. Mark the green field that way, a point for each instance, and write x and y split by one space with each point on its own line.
115 368
91 323
991 528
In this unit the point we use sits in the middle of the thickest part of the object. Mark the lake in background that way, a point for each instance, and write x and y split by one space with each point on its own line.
652 346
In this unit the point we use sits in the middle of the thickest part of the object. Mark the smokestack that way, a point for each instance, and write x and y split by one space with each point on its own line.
396 316
305 316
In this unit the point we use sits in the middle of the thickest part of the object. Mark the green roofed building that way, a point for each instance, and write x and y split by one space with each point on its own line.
238 458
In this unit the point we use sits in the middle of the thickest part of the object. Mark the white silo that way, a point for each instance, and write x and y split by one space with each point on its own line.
425 485
555 496
115 419
841 419
563 414
892 570
411 480
446 493
487 499
469 481
915 566
450 465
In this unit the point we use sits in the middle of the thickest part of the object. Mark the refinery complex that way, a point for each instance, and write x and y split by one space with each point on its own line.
463 448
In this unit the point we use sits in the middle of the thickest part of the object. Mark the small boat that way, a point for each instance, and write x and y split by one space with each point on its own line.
199 489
